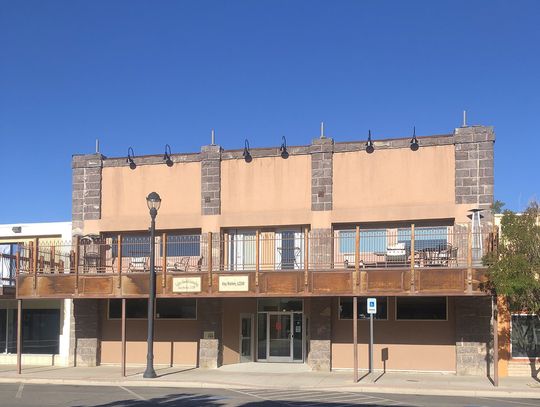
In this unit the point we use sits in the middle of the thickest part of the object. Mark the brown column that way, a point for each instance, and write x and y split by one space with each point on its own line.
355 338
19 336
320 335
123 337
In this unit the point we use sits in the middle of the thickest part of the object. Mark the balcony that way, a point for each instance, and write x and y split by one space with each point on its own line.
7 269
406 261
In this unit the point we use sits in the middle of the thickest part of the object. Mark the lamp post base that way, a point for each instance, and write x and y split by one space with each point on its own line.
149 373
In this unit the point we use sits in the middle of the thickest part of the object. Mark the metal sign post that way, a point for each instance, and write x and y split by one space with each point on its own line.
371 309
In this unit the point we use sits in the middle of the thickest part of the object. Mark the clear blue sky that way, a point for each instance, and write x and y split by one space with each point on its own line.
146 73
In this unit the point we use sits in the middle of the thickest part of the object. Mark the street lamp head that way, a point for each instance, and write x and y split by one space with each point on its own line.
153 201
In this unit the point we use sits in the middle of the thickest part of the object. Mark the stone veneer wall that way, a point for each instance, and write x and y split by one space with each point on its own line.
320 334
211 180
209 313
474 154
474 344
86 189
322 152
85 333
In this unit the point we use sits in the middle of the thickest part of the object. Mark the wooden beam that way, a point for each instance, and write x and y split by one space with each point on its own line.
19 336
355 338
209 236
164 264
17 270
35 260
469 258
52 264
257 256
119 255
357 257
123 337
413 288
77 260
306 258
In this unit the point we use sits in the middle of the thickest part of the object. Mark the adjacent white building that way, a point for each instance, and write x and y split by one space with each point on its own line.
45 323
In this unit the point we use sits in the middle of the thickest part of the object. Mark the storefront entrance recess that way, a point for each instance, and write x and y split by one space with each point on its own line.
280 330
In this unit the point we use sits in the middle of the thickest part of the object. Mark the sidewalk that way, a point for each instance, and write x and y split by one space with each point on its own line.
282 376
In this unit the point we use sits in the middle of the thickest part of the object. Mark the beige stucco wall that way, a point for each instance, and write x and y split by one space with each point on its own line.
394 184
232 308
266 191
176 341
124 193
411 345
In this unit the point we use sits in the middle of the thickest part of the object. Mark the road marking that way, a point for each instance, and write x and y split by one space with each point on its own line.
256 396
19 392
133 393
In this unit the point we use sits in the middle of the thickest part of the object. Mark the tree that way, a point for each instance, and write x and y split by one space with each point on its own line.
514 272
497 206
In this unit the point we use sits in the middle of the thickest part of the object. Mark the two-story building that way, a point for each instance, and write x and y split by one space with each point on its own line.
260 254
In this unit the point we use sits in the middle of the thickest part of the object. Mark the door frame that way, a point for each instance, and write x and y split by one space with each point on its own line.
278 359
251 338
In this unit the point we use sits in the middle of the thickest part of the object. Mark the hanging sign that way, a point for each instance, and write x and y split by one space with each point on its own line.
233 283
186 284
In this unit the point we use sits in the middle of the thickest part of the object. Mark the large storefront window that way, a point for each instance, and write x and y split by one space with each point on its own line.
40 331
421 308
525 336
166 308
346 308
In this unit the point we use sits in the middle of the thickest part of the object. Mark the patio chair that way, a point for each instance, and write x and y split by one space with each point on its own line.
139 264
396 254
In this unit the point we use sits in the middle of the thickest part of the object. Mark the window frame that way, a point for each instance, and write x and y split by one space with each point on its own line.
420 320
363 319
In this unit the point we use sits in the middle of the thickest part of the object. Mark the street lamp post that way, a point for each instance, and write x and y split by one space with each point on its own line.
153 201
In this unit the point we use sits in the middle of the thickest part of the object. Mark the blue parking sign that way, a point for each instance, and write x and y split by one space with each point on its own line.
372 305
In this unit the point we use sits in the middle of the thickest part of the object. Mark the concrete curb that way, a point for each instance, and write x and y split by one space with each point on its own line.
503 393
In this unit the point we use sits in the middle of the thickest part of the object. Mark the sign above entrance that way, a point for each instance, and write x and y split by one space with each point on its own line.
186 285
233 283
372 305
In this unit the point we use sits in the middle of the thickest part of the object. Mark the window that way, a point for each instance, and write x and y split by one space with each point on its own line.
176 308
7 263
421 308
425 238
525 336
136 308
183 245
346 308
41 330
132 246
371 240
166 308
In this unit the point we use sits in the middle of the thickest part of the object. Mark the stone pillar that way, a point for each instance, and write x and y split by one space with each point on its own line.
211 180
86 190
85 333
322 151
473 335
209 313
320 334
474 148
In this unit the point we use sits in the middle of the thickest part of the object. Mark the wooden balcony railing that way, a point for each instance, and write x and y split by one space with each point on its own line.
344 262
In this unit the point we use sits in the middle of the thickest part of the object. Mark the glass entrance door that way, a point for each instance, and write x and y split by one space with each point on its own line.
280 334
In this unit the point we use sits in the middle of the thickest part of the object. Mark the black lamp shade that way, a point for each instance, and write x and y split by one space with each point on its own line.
153 200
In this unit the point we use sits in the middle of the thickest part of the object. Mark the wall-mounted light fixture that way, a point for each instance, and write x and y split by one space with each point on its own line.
167 156
246 153
370 148
16 229
130 160
414 141
283 149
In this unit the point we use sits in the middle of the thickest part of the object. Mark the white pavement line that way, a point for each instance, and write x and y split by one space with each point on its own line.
508 401
185 396
133 393
295 395
257 397
19 392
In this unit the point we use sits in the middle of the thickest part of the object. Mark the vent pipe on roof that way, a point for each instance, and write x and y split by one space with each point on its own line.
322 130
97 146
464 119
213 138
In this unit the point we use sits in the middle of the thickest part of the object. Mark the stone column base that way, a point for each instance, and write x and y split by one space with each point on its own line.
319 355
209 354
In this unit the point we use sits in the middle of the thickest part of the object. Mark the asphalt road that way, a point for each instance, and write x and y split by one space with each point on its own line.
33 395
